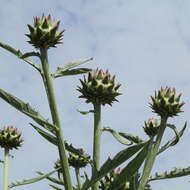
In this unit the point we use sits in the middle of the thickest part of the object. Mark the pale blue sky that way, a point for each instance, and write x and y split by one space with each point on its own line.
145 43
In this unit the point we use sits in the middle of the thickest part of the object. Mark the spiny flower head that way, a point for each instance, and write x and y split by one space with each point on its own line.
10 138
78 161
75 160
166 102
99 87
44 33
151 127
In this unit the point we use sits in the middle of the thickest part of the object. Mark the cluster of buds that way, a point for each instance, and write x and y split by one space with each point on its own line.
166 103
75 160
10 138
109 179
44 33
99 87
151 127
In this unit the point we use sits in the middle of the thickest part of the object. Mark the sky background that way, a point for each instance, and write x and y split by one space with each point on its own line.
146 44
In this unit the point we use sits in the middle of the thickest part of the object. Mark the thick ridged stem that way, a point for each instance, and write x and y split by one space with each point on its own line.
6 170
77 173
152 155
55 117
96 140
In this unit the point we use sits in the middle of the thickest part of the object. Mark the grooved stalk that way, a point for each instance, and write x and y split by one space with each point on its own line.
55 117
152 155
78 177
6 170
96 141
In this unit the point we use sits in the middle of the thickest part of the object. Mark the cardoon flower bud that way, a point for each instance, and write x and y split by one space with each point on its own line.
78 161
166 102
44 33
99 87
151 127
10 138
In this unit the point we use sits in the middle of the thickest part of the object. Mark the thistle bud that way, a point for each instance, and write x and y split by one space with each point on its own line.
78 161
44 33
99 87
151 127
166 102
10 138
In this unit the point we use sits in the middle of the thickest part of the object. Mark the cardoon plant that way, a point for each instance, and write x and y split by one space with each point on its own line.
98 88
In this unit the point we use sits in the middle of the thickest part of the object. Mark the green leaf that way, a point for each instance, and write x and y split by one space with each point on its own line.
132 138
129 171
85 112
52 179
173 141
19 55
73 64
29 54
117 136
55 187
177 172
26 109
67 69
33 180
10 49
1 161
52 139
111 164
71 72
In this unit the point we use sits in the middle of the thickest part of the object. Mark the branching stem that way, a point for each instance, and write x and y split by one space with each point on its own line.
55 117
152 155
77 173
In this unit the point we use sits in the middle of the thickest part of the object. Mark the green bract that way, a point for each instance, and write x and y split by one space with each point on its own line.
99 87
166 102
109 179
44 33
151 127
10 138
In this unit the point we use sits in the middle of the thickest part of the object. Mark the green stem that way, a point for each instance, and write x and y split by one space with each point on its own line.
152 155
96 141
77 173
55 117
6 170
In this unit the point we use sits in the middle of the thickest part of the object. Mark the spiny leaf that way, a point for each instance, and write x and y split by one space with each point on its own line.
26 109
111 164
52 139
33 180
85 112
173 140
52 179
72 65
132 138
71 72
117 136
129 171
177 172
